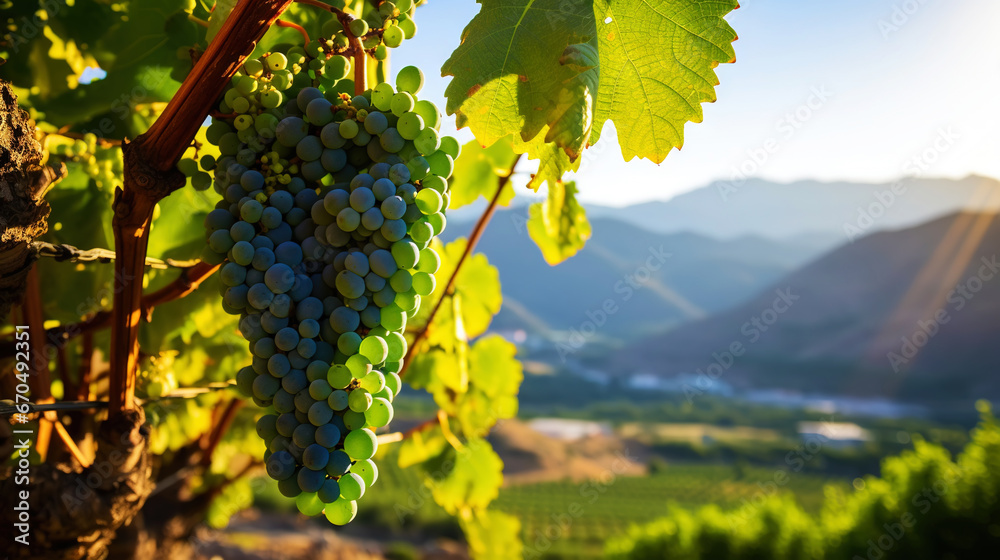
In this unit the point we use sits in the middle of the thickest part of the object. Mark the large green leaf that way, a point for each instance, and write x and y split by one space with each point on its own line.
660 58
508 78
572 65
559 225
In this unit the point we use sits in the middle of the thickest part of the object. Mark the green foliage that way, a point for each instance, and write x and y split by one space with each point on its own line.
559 225
561 69
478 171
926 505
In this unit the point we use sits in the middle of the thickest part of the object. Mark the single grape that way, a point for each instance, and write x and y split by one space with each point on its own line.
410 79
341 511
361 444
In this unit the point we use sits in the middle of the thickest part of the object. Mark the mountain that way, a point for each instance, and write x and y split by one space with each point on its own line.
649 281
806 211
908 314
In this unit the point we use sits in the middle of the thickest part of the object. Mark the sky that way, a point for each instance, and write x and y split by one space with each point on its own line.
869 85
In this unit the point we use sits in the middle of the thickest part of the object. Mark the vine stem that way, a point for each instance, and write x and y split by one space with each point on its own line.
150 176
477 233
187 282
219 428
297 27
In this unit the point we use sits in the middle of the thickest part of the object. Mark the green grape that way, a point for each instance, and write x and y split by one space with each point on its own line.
367 470
382 96
410 80
358 27
423 283
401 103
359 400
379 414
309 504
342 511
360 444
408 26
393 37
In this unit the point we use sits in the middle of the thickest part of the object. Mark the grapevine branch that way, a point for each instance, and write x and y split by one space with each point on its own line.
64 252
150 175
187 282
477 233
219 427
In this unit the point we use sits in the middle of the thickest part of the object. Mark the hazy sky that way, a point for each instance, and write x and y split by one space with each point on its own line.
898 83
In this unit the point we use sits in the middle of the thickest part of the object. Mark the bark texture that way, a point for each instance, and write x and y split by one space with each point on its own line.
74 513
23 182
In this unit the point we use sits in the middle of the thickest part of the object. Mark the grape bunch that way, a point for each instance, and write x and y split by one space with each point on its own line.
100 161
329 204
384 26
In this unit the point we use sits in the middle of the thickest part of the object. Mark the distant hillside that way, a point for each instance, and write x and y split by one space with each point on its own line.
852 309
700 276
777 211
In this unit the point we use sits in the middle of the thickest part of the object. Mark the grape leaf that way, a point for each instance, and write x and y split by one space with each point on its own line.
661 57
422 446
507 74
478 284
495 377
493 535
478 171
572 65
473 481
559 225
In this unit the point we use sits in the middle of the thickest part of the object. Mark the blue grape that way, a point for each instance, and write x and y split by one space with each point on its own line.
309 308
383 263
330 491
309 328
357 263
315 457
272 323
233 274
281 306
288 253
280 465
279 278
309 149
304 435
294 381
339 463
344 319
264 348
310 480
286 339
260 296
263 259
278 365
242 232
